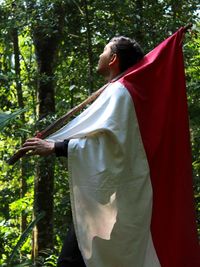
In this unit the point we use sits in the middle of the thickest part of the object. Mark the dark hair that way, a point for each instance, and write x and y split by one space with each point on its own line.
128 51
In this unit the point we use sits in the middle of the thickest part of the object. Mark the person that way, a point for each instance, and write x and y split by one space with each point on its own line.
120 54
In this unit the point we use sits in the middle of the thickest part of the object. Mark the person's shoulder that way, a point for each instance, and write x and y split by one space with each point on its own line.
116 88
115 94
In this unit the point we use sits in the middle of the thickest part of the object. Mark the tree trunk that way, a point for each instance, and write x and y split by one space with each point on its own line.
20 100
44 181
43 201
46 41
89 48
139 34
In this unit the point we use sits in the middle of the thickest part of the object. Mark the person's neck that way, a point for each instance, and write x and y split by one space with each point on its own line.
112 75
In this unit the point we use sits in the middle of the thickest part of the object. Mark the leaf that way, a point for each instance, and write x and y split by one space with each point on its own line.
24 236
5 118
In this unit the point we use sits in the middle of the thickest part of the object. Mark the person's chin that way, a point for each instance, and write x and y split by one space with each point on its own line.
98 68
99 71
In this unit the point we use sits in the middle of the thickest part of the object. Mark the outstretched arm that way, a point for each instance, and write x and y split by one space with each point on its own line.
38 146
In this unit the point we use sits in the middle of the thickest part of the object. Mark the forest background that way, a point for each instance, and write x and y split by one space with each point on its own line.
48 56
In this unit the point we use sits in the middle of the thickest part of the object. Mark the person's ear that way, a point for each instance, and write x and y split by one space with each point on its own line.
113 60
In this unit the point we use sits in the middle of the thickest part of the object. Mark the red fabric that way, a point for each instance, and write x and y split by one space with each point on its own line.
157 86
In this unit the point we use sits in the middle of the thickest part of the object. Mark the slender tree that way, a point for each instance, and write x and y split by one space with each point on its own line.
23 188
47 29
89 46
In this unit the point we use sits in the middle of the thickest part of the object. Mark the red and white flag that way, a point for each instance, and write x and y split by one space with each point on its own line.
157 87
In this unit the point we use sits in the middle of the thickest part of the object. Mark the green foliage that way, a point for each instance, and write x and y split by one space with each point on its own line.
192 48
148 21
6 118
23 237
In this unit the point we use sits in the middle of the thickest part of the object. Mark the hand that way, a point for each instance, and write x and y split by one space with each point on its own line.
38 147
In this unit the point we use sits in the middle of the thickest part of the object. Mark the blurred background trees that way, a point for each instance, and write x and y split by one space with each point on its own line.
48 56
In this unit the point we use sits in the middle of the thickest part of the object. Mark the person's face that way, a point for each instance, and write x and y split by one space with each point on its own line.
104 59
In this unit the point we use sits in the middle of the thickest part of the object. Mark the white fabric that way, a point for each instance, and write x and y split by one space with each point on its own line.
110 186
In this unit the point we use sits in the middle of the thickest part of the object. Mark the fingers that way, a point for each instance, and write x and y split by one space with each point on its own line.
33 139
31 142
30 145
38 147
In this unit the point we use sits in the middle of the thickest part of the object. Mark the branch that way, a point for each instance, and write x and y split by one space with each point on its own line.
187 27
